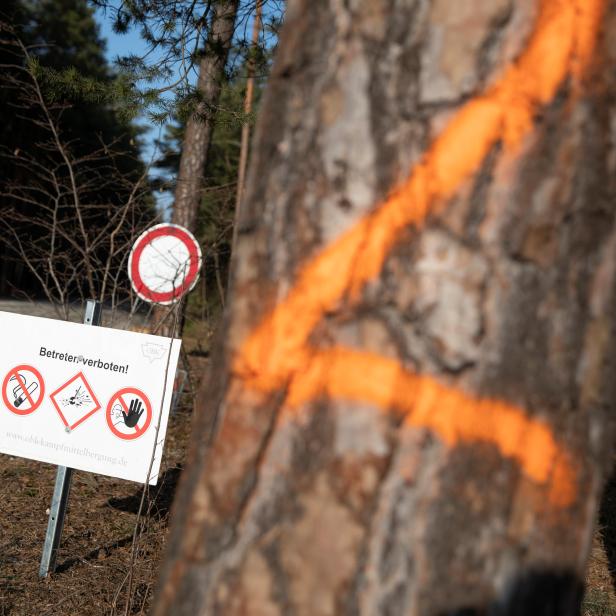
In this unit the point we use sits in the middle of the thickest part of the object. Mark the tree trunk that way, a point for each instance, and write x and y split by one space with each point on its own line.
408 409
199 127
250 81
198 136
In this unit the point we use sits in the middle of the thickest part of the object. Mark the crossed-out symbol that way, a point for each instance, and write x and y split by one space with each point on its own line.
277 353
23 389
128 413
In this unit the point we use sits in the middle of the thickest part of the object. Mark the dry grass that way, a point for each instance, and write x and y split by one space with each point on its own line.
600 599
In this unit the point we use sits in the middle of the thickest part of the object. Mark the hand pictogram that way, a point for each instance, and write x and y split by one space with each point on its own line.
135 410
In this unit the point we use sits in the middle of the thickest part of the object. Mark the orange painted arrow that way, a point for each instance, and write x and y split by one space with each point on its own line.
277 354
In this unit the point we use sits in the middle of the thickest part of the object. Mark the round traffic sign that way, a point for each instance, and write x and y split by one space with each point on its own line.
23 389
164 263
128 413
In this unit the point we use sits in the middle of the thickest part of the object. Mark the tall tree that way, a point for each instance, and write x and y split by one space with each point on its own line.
198 133
248 97
407 413
186 37
214 226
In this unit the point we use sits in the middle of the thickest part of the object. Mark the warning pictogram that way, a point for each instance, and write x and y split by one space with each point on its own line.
129 413
75 401
23 389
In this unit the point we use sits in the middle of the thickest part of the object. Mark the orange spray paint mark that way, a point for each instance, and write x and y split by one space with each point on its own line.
277 351
423 402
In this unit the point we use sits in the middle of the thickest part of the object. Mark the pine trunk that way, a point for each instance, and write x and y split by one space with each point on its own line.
408 410
197 140
250 82
199 127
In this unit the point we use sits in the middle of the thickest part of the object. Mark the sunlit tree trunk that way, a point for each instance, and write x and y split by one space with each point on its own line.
407 412
198 135
250 82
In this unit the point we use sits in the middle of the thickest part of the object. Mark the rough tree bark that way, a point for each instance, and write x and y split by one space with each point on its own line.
408 410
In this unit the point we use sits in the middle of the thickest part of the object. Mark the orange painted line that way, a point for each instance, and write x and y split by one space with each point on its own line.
561 45
455 416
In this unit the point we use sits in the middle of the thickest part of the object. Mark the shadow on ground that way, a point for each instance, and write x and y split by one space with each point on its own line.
94 555
158 505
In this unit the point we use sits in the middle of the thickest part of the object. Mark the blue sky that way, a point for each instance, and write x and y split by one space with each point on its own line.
121 45
118 44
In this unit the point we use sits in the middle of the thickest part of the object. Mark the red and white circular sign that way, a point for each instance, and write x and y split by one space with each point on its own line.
164 263
23 389
128 413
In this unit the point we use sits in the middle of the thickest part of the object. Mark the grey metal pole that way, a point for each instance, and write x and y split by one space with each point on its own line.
59 500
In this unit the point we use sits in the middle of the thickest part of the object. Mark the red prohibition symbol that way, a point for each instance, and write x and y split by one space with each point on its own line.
164 263
23 389
128 413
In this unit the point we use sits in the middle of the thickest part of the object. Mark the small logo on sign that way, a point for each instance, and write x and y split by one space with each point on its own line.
153 351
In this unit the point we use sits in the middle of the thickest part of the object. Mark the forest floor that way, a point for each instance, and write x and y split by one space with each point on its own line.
97 546
600 599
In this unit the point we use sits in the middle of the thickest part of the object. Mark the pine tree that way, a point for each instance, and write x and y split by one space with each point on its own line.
215 217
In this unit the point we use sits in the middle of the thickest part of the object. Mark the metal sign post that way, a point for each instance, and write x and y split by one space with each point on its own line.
64 475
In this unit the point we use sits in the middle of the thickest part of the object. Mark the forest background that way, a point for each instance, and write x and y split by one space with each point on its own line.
114 118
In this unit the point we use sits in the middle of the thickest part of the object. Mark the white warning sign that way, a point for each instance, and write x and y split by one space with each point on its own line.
91 398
